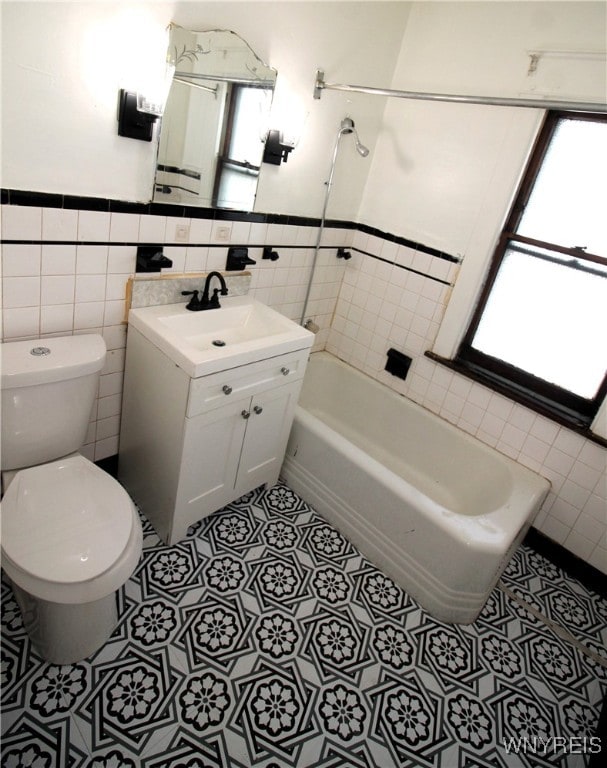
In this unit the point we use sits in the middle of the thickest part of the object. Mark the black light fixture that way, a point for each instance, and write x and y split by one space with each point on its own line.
275 151
133 121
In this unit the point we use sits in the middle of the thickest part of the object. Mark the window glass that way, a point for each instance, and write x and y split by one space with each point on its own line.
547 314
568 203
238 167
250 119
236 186
538 332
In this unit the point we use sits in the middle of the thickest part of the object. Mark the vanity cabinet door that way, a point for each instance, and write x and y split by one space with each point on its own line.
268 427
211 452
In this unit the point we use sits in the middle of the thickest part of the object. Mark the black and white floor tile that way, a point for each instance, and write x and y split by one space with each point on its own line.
265 639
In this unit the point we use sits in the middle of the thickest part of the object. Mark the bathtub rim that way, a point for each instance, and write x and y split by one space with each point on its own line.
540 485
395 483
460 604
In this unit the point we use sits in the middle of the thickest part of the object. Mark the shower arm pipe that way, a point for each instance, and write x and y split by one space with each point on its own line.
495 101
328 185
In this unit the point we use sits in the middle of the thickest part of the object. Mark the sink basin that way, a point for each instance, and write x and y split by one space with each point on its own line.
242 331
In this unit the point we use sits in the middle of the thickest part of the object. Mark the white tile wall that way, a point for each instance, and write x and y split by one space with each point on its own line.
380 306
53 288
363 306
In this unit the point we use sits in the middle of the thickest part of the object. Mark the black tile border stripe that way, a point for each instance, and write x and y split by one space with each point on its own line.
73 202
179 171
165 244
402 266
408 243
109 205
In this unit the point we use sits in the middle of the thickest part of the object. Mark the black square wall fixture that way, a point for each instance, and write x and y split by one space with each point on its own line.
132 123
397 363
150 258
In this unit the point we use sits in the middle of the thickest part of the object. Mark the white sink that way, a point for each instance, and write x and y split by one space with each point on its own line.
242 331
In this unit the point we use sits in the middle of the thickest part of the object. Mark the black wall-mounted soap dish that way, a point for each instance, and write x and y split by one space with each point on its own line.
150 258
238 259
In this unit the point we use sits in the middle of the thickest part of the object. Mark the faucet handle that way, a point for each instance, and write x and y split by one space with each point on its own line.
194 303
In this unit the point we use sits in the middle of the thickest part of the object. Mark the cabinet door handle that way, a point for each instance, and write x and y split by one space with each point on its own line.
245 414
258 409
285 371
226 389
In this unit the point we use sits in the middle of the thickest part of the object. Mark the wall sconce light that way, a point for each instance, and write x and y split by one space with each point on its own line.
136 116
276 151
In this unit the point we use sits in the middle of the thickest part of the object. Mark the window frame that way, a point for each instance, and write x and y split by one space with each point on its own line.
549 399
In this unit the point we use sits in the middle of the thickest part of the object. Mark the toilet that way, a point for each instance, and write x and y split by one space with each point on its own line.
71 536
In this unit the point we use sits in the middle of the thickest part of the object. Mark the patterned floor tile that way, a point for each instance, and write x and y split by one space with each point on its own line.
265 639
31 742
559 597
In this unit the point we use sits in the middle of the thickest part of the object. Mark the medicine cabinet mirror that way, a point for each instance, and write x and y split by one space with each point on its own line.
215 121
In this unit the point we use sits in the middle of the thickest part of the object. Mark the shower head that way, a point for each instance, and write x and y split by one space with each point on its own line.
360 148
347 126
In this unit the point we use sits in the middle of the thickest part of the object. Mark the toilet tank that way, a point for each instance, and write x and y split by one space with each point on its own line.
48 390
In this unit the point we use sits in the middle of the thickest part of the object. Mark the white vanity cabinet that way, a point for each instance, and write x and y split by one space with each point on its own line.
189 446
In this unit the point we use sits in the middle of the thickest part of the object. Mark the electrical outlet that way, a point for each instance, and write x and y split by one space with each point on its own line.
223 233
182 233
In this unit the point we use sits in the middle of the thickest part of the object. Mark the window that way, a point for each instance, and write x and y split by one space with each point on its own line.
539 330
242 151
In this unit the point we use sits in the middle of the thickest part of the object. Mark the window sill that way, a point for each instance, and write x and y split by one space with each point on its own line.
524 398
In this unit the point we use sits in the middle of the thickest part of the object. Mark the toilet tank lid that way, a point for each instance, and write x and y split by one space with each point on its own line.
41 361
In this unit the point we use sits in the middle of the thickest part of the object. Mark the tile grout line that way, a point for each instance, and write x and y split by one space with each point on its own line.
558 630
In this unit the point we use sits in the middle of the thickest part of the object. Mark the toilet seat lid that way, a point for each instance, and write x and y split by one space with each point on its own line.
66 522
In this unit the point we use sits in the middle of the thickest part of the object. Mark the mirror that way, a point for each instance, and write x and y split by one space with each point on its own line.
215 121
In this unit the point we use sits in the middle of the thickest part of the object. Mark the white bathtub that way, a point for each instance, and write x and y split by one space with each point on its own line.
434 508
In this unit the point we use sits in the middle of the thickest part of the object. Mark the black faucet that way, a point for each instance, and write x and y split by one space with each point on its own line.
196 305
213 302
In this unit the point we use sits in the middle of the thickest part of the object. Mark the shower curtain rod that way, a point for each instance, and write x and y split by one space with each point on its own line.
320 85
254 83
192 84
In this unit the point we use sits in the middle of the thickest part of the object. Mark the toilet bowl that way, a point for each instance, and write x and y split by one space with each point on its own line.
71 536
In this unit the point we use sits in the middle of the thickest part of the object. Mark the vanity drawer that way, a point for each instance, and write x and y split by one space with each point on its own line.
219 389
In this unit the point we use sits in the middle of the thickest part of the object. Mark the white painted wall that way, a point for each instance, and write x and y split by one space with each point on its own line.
441 170
297 38
62 67
63 64
445 174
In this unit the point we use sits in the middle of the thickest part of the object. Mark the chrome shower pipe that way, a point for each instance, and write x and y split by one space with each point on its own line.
347 126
